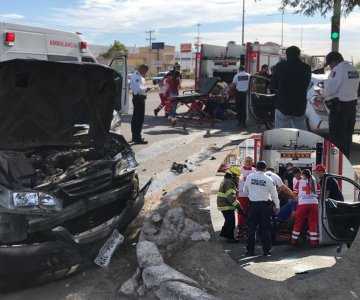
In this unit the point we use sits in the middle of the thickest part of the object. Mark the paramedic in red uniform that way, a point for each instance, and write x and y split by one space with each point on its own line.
307 191
243 199
164 96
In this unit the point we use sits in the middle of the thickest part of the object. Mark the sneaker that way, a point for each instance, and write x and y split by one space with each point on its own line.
233 241
249 253
267 253
155 112
140 141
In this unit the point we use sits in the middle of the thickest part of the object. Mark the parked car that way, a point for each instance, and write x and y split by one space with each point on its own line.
317 114
66 181
158 77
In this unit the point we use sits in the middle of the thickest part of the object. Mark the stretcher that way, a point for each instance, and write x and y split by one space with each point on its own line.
195 102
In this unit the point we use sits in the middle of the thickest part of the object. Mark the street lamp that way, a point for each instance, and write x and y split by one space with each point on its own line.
197 46
243 23
282 24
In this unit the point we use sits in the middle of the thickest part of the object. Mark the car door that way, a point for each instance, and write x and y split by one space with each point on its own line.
339 221
261 101
119 64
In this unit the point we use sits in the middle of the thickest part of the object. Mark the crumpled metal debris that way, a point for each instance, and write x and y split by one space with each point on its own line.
178 168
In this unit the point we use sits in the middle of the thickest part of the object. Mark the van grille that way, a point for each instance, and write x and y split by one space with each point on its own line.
88 185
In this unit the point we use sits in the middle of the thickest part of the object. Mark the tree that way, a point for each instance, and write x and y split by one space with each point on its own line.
115 49
310 7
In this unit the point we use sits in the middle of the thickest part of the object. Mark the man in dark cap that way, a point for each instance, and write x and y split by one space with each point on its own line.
291 80
341 92
261 188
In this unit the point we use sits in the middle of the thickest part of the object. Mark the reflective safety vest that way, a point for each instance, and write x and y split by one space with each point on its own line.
226 197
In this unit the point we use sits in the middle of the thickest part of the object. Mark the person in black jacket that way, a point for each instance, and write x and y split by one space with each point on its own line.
291 79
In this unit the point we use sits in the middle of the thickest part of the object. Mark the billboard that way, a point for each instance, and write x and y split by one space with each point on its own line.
185 47
157 46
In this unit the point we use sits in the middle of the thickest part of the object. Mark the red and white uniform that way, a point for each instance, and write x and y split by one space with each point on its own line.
307 210
243 196
164 95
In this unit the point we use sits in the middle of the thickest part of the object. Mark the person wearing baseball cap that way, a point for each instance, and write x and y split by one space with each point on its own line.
341 92
332 189
260 188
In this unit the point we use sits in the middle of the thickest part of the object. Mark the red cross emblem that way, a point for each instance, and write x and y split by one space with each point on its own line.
306 189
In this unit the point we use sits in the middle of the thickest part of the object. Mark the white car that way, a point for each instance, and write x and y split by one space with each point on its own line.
317 114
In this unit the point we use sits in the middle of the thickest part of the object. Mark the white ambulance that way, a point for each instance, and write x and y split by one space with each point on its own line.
22 41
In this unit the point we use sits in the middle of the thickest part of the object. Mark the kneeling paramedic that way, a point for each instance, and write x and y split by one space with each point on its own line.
227 203
260 188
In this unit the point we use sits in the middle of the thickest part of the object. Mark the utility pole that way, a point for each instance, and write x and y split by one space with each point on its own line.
150 39
336 19
243 23
198 38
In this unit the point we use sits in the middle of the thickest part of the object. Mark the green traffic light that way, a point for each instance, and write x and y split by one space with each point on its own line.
334 35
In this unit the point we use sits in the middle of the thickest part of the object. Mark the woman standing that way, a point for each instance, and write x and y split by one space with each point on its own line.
307 191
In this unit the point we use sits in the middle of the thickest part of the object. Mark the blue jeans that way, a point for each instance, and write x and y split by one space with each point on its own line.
285 121
173 107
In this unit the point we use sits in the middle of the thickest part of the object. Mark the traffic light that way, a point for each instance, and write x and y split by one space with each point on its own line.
335 28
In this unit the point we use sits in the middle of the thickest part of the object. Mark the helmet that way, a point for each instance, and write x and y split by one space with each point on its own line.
235 171
176 65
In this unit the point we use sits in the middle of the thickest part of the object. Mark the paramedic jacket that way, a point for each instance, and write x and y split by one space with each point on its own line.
260 188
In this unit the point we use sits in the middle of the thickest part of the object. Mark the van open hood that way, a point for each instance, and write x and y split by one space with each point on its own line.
42 101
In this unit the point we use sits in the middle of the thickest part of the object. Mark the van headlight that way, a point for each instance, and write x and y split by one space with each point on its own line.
35 201
125 165
25 199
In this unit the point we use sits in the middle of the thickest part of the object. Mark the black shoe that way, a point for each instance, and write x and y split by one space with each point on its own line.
267 253
249 253
155 112
222 235
140 141
233 241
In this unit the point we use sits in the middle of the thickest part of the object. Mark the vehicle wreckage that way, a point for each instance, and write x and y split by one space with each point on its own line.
66 181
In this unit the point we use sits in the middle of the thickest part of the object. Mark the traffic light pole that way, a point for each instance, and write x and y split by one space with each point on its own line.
336 18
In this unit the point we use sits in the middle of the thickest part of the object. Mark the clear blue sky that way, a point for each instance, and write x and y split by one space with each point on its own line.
175 22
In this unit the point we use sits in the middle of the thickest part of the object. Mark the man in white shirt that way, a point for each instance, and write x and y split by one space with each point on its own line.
138 88
260 188
341 92
281 187
241 82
